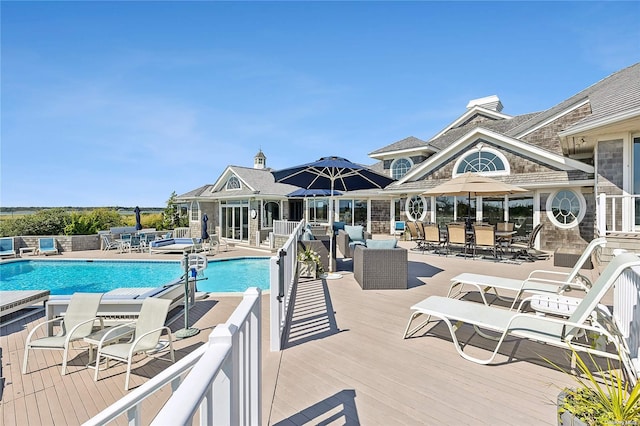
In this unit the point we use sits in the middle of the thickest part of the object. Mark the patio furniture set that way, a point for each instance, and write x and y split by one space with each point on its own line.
81 322
469 241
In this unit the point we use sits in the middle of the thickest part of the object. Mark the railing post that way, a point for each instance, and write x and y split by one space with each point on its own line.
276 306
601 217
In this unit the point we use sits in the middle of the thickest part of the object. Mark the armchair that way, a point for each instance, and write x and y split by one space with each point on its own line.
346 244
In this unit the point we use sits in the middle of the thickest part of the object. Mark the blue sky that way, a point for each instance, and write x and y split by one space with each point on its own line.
121 103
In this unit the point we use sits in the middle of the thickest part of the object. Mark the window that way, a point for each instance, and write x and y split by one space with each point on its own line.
415 208
400 167
566 208
271 213
233 183
195 211
482 160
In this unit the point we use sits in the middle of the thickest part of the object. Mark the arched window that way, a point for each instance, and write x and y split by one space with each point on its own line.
400 167
483 160
195 211
415 208
566 208
233 183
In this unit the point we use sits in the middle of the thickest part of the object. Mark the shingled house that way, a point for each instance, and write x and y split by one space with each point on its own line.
579 161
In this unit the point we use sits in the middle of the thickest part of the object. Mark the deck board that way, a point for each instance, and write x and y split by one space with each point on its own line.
345 361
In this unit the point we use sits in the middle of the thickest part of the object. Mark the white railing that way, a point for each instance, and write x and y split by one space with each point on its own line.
617 213
626 311
282 281
181 233
284 227
224 382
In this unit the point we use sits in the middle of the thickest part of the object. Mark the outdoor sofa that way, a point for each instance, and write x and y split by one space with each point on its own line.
380 268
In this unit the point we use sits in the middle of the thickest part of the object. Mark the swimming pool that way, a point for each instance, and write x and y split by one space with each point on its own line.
70 276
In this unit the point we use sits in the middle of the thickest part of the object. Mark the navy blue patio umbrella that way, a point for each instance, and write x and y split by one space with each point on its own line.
204 235
138 224
332 174
301 192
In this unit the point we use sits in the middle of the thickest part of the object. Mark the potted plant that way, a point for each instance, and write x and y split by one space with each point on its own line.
309 263
607 400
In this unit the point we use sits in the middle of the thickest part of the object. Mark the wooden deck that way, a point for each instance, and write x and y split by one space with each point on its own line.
345 360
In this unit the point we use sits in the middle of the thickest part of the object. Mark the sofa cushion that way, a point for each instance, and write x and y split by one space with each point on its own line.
307 235
382 244
356 233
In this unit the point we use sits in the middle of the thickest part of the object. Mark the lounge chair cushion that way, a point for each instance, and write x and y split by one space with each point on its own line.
356 233
381 244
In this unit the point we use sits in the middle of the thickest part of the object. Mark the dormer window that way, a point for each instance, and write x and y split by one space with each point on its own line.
400 167
487 161
233 183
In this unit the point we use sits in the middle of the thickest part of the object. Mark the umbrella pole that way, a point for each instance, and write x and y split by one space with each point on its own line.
331 275
186 331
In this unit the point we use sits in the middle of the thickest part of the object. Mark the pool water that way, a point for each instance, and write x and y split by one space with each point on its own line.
70 276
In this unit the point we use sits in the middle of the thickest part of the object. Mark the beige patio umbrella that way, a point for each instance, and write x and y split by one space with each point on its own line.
473 184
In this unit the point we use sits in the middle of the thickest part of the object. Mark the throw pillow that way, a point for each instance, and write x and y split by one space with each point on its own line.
382 244
307 236
356 233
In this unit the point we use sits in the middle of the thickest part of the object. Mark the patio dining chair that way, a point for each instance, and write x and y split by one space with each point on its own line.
432 237
485 238
415 236
457 236
527 250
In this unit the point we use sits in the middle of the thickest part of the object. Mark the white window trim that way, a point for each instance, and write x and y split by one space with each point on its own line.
581 213
393 163
197 210
408 213
226 185
482 147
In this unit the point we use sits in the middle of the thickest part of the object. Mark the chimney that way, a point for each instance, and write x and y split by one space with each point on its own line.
489 102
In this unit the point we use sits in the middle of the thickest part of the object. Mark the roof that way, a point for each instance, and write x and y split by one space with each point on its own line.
410 142
616 93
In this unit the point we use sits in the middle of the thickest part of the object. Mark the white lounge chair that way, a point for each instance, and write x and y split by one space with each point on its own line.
538 281
109 243
564 333
47 246
6 247
77 323
145 339
215 243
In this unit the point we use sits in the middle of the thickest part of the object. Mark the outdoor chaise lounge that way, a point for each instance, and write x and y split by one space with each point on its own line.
47 246
173 245
538 281
6 247
569 333
145 339
78 322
